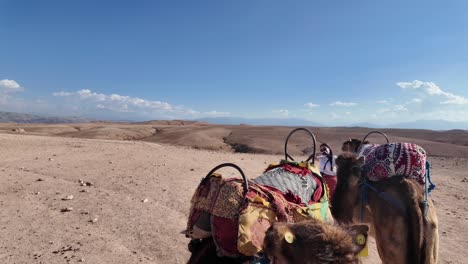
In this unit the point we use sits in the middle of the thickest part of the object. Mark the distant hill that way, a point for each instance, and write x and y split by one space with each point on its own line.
431 124
260 121
367 125
419 124
11 117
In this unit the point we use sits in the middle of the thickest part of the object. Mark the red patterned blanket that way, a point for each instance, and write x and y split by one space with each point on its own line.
401 159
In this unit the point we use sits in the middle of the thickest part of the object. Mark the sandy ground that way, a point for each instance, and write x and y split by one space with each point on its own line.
38 172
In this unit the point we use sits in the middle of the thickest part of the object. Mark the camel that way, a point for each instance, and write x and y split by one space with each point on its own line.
307 242
313 242
405 230
352 145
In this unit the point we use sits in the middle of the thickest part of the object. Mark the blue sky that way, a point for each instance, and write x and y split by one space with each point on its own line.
333 62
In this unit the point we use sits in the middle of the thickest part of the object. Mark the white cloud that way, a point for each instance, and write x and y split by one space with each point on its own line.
334 115
415 100
432 89
348 113
394 109
128 104
382 101
283 112
311 105
344 104
10 85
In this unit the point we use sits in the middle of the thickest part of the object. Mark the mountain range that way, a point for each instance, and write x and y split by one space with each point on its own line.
12 117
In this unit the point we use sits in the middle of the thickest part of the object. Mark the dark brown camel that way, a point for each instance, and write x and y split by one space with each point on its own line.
314 242
308 242
394 211
352 145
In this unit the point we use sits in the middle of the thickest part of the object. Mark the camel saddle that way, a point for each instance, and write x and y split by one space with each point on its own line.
394 159
237 220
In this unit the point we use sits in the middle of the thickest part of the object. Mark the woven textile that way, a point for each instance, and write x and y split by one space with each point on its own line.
394 159
285 181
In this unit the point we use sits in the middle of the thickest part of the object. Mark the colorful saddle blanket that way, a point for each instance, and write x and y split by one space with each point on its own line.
394 159
238 222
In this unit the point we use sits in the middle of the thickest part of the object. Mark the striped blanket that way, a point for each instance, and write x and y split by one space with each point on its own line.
302 186
400 159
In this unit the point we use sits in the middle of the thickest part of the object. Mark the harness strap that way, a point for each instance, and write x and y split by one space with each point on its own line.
364 186
364 199
427 189
432 186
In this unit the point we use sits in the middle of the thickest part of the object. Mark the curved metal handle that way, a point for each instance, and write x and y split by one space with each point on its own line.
375 132
286 154
245 183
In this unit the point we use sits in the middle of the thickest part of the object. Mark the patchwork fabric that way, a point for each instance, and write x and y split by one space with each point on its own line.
238 223
400 159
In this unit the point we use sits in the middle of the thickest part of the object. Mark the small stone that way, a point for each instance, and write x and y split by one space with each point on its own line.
89 184
36 158
68 209
110 162
192 169
40 179
37 193
68 197
94 220
145 200
81 260
51 159
465 180
53 155
84 191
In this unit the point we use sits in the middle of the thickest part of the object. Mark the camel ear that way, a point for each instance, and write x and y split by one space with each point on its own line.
359 233
361 161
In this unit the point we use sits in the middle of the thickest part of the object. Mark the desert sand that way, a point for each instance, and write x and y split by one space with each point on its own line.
142 177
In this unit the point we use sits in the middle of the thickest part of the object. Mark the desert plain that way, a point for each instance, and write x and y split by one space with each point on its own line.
120 192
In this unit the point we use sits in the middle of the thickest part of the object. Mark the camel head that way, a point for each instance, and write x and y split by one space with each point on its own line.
352 145
314 241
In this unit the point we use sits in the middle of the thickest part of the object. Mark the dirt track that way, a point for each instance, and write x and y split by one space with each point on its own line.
37 172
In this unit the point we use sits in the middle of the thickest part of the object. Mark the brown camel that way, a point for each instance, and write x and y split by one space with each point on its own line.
405 232
314 242
308 242
352 145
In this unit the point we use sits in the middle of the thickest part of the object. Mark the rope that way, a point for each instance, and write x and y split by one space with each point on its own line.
432 186
427 189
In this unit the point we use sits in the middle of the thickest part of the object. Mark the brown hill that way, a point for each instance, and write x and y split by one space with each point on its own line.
246 138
